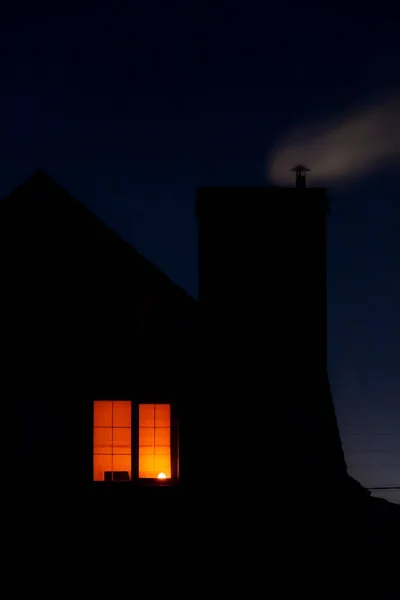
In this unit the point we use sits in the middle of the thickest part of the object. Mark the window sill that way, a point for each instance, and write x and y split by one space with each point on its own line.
138 483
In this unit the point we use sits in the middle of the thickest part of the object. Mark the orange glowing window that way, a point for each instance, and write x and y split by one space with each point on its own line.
112 446
155 441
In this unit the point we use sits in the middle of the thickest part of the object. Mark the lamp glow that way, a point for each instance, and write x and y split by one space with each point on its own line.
161 476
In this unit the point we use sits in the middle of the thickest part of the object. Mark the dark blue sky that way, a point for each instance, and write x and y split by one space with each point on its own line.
132 108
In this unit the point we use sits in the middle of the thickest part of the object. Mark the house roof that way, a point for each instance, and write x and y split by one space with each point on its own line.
42 211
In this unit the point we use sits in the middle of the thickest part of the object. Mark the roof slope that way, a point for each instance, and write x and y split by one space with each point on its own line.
40 211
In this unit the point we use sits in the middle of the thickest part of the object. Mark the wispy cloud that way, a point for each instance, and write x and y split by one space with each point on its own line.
341 148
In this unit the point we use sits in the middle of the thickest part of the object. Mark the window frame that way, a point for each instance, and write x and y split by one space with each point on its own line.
174 445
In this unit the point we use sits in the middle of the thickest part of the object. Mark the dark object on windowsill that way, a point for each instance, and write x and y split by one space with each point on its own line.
116 476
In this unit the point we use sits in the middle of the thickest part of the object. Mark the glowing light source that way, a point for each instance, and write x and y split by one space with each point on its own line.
161 476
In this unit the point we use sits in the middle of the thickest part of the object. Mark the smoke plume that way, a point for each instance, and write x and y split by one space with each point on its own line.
358 142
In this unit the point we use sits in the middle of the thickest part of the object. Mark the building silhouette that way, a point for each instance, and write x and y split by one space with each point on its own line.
228 397
223 431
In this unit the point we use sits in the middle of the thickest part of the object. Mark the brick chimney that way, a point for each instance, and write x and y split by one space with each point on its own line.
262 289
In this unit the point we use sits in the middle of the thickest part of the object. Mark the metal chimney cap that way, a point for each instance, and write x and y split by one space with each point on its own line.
300 169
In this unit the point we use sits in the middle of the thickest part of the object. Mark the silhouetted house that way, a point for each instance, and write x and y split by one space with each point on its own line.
228 397
86 317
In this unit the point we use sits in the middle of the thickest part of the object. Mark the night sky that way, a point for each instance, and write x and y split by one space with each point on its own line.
132 108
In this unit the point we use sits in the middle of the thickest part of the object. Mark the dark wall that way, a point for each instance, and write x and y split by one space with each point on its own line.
262 267
72 326
262 289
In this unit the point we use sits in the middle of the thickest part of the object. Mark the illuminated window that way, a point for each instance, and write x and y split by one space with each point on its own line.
112 450
155 441
120 423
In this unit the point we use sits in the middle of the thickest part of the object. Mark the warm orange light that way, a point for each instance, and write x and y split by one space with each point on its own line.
154 441
112 447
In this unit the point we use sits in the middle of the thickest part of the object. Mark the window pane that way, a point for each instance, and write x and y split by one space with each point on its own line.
160 450
102 413
146 450
146 436
102 440
163 436
162 416
112 440
146 415
101 463
121 413
154 440
121 440
146 466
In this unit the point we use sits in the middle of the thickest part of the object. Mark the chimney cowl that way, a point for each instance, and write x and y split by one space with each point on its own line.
300 171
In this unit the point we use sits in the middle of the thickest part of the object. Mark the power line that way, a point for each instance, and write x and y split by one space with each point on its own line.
371 435
384 487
